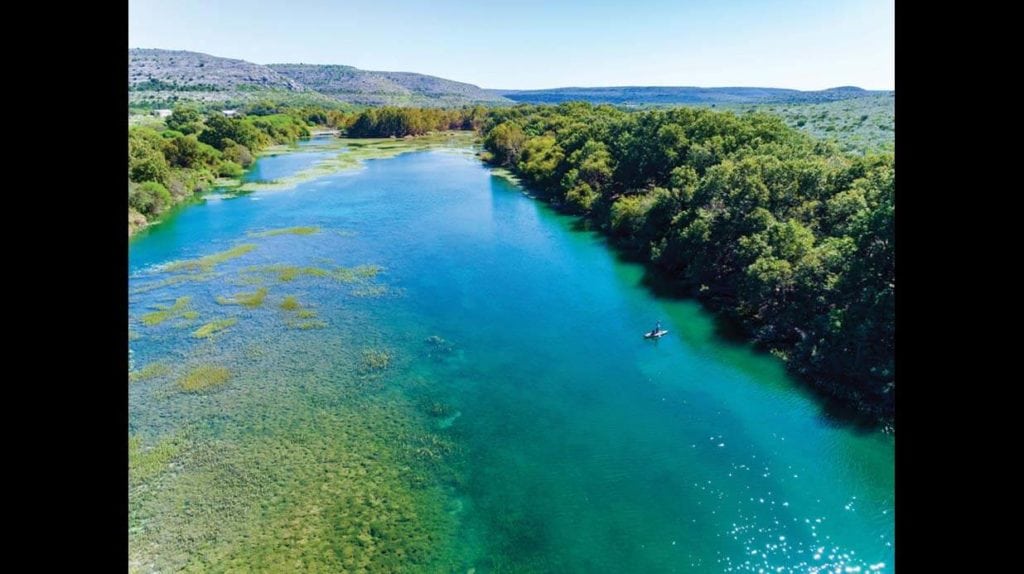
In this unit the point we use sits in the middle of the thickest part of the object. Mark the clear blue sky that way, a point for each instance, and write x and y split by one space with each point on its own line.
523 44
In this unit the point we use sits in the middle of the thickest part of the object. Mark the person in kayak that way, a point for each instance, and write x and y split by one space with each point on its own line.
657 328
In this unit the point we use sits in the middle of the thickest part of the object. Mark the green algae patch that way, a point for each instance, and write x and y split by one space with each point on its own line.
306 313
254 299
290 303
203 378
214 327
181 306
145 463
310 230
207 263
374 360
150 371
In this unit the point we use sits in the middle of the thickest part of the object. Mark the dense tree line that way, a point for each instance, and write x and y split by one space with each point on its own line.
790 238
167 167
400 122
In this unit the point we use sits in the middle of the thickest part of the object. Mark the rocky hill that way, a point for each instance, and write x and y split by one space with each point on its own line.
369 87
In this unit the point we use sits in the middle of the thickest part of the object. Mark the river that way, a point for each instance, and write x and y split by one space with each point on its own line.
414 366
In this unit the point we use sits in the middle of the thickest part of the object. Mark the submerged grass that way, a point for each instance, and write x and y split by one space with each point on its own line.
179 308
150 371
370 291
146 463
204 377
359 151
353 274
306 325
288 272
207 263
343 489
213 327
254 299
290 303
309 230
374 360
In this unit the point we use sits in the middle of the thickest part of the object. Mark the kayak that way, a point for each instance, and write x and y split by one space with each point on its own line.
657 335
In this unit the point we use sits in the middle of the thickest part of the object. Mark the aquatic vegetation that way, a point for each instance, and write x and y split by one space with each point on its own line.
357 151
254 299
353 274
370 291
207 263
374 360
330 489
431 447
288 272
204 377
439 410
146 463
438 345
179 308
291 303
287 231
150 371
305 325
213 327
190 315
170 281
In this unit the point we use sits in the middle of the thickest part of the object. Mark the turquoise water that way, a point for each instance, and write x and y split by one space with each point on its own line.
285 163
522 423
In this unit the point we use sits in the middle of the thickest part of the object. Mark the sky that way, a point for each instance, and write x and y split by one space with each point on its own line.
534 44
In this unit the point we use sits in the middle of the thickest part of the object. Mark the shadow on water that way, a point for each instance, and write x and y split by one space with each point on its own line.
834 410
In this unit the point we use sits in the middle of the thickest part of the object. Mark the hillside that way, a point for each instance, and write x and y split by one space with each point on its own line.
374 88
161 78
666 95
857 125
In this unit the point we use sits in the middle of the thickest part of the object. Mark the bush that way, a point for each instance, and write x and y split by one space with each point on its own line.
229 169
149 198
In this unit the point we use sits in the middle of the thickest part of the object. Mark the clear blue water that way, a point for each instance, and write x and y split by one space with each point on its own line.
577 446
